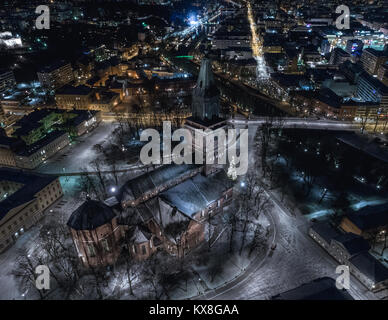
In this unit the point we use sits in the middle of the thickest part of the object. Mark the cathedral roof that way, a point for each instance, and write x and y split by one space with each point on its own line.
91 215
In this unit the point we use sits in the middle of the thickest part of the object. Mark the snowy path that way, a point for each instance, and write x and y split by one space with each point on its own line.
297 259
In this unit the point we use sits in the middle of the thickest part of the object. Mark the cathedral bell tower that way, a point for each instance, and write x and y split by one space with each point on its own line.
206 114
206 96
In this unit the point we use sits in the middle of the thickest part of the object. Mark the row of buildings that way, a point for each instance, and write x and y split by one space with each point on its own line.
40 134
347 92
350 244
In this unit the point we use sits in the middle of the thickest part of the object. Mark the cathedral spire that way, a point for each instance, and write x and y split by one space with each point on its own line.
205 94
205 78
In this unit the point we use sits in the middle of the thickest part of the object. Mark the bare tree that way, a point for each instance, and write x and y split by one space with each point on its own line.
252 201
97 167
25 271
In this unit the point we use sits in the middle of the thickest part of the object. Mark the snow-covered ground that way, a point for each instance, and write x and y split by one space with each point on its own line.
80 153
297 259
231 266
9 289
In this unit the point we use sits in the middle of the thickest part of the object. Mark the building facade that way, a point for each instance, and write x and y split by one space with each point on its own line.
7 80
26 197
372 59
96 234
56 75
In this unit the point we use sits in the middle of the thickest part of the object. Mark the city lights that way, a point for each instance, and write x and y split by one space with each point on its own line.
193 150
256 44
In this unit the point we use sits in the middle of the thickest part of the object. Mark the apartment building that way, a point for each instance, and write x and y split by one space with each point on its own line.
56 75
372 59
7 80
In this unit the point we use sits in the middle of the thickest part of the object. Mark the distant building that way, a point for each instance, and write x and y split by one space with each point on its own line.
42 133
25 197
351 71
86 98
367 222
382 73
372 59
333 105
353 251
285 83
233 53
354 46
370 271
318 289
325 47
177 86
7 80
56 75
8 147
371 89
272 43
36 153
223 40
69 97
339 56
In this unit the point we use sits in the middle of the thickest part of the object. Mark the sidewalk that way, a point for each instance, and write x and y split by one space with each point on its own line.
235 268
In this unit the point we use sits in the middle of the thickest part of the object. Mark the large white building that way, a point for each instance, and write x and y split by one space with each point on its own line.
10 41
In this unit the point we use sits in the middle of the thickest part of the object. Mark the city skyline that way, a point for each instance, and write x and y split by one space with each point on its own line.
193 150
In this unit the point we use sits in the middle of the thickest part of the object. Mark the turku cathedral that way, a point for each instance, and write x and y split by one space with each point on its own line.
166 209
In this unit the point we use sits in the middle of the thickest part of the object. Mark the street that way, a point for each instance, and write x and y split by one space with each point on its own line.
296 260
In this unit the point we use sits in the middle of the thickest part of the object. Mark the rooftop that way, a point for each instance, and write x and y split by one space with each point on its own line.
318 289
376 53
90 215
147 182
325 230
53 66
370 217
32 183
364 144
48 138
353 243
370 266
197 193
80 90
